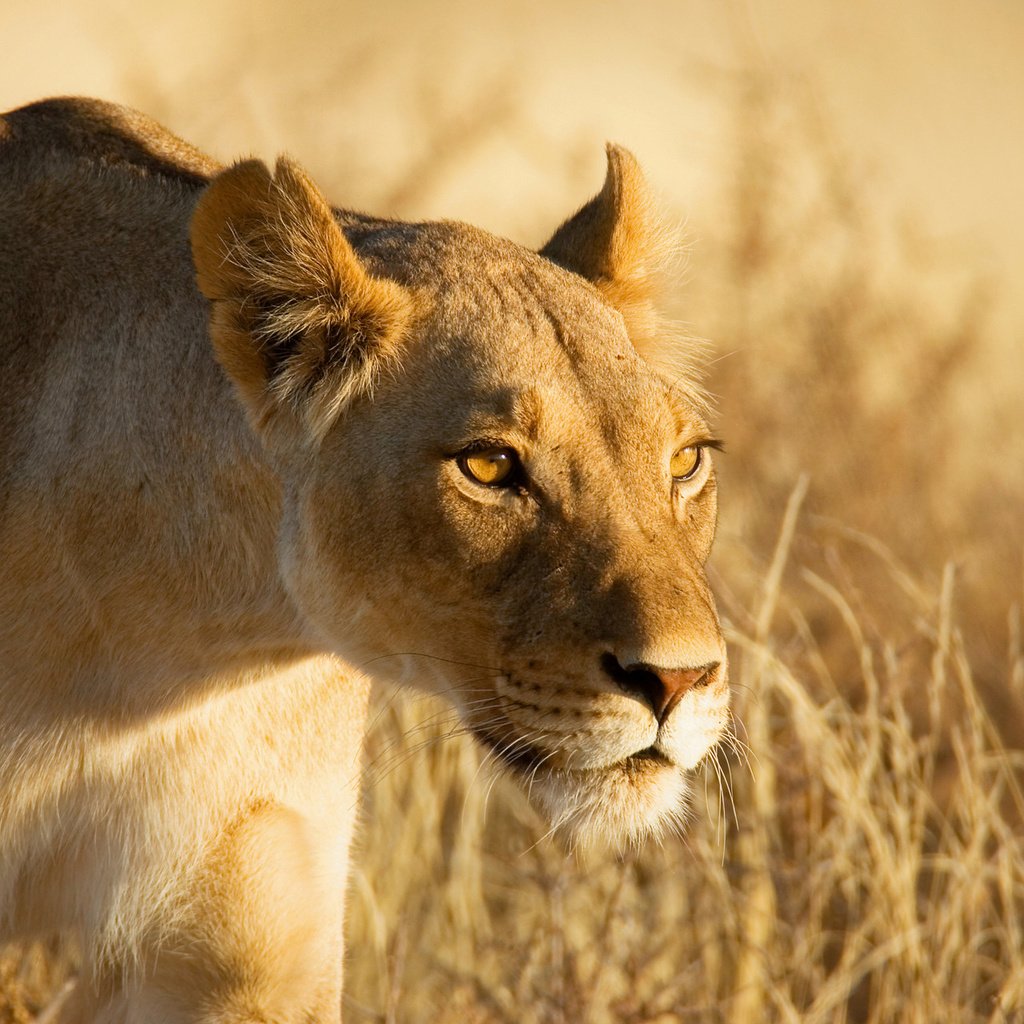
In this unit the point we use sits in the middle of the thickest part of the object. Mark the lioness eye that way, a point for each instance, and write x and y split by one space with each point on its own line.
685 462
493 467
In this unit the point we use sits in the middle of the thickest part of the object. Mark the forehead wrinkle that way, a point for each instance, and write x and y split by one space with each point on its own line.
593 431
585 403
514 296
534 306
541 296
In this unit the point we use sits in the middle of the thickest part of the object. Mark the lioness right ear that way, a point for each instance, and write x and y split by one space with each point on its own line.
297 322
618 243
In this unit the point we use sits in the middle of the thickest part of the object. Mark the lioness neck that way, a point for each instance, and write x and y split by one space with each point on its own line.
106 579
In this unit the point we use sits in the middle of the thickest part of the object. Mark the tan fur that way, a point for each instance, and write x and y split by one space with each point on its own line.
201 564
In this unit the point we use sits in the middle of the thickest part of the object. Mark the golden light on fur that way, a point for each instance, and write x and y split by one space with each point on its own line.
243 496
297 322
620 243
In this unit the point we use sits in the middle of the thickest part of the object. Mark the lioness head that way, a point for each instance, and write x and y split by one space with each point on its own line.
487 488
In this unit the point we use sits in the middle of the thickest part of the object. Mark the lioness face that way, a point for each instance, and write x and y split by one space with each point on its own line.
544 567
518 518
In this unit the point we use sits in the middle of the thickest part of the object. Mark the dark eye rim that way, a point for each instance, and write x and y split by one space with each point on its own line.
702 445
514 480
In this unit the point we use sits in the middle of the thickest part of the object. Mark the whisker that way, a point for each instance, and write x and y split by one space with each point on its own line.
432 657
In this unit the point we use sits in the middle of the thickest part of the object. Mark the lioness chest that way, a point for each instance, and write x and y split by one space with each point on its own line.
102 826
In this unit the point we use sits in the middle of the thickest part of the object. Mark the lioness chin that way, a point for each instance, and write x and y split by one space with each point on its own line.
255 451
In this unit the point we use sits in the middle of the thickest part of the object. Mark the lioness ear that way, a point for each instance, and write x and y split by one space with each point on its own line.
297 322
616 242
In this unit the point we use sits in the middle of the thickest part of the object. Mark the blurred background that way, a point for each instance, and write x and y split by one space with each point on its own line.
845 180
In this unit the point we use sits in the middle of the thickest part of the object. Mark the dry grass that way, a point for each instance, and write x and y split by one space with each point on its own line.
864 862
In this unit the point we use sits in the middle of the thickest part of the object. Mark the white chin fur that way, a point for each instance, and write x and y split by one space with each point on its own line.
617 806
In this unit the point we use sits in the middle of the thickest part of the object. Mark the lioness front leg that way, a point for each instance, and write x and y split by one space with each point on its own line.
257 939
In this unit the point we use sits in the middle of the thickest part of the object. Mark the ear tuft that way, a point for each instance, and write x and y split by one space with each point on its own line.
297 322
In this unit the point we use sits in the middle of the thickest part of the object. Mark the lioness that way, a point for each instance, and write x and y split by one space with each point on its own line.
255 451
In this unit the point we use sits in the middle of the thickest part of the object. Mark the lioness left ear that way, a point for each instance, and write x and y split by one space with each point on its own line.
297 322
618 244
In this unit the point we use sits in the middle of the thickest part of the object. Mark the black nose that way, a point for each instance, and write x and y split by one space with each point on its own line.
659 688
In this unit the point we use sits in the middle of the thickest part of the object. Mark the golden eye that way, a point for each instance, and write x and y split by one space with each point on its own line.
492 467
686 462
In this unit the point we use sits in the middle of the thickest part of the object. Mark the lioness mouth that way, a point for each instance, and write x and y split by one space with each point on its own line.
648 756
527 759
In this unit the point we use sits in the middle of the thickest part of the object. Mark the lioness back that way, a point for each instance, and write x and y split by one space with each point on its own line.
254 450
85 202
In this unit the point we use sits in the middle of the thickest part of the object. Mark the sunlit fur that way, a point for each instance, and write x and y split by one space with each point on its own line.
224 508
582 773
622 805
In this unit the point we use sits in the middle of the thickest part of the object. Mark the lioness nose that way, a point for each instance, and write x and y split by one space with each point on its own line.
660 688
